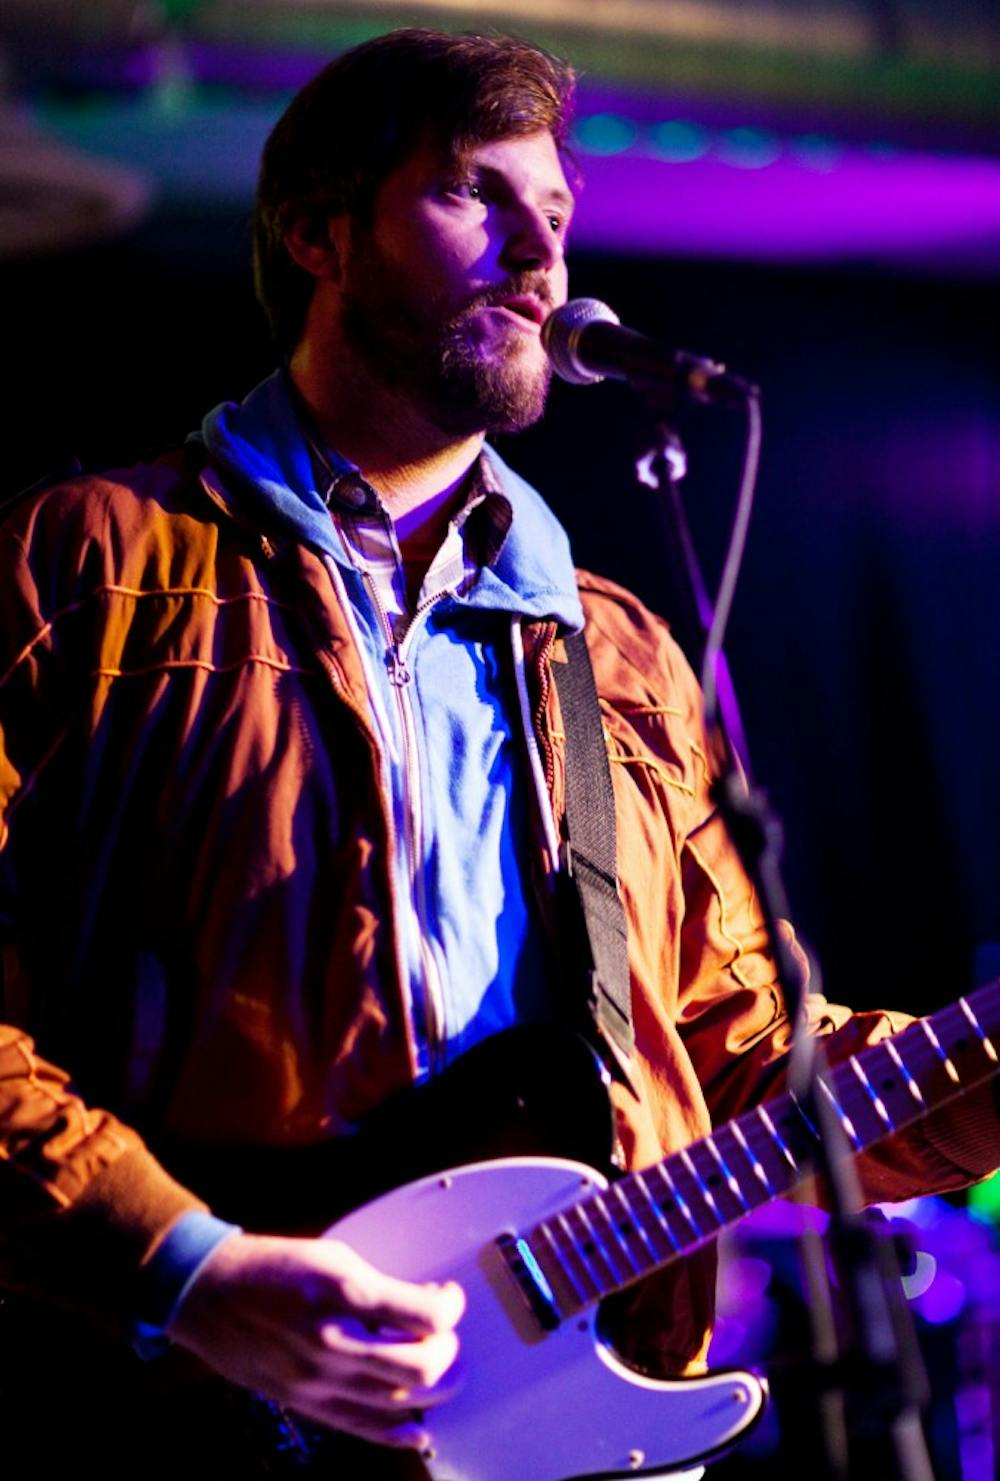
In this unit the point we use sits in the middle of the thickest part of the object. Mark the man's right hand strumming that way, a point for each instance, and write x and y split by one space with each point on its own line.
310 1323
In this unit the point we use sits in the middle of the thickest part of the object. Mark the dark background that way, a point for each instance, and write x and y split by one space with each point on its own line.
864 639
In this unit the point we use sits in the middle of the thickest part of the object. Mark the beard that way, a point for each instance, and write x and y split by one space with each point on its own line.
423 348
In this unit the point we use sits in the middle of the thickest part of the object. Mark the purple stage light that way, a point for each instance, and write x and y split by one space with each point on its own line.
784 205
656 181
944 1299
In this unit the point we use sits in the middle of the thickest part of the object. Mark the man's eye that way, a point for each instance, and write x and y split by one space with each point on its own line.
470 190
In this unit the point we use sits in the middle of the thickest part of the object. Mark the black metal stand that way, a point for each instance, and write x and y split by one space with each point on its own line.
878 1388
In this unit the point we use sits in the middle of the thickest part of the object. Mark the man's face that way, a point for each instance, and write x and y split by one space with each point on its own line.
443 296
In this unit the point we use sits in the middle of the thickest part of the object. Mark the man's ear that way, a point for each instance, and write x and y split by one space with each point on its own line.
317 242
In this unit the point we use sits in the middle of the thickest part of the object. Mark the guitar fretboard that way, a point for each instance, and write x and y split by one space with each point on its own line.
642 1222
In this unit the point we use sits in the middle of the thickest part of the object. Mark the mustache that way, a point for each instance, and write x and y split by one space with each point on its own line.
534 285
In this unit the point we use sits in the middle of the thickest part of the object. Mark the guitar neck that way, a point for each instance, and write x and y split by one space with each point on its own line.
649 1218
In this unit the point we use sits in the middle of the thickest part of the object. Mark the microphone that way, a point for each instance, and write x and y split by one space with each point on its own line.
586 341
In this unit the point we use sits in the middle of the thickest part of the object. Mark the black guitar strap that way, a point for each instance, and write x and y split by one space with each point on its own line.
592 907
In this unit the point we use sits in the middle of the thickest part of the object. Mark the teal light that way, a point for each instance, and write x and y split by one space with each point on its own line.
679 142
605 133
816 152
984 1200
747 149
880 149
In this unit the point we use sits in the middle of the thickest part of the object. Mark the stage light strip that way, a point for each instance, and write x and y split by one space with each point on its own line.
684 141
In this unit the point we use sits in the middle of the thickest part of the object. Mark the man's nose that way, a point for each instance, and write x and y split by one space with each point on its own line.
530 241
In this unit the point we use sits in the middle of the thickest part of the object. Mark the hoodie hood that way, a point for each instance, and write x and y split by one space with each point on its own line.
272 480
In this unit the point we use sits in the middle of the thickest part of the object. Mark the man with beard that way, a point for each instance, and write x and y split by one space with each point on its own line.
287 696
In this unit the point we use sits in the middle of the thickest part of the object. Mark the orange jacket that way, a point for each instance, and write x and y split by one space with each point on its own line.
199 911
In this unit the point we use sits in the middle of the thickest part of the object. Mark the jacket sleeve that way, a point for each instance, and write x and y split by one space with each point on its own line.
82 1201
736 1029
712 1028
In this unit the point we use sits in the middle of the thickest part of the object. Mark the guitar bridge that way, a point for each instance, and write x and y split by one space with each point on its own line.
538 1294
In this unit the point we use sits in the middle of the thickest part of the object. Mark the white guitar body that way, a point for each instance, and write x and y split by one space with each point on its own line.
537 1405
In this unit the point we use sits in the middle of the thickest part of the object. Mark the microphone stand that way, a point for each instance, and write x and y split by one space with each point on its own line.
886 1366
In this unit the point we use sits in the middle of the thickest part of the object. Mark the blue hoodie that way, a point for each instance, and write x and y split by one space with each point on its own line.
478 922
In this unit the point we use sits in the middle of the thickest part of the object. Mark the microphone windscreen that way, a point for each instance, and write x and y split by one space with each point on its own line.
561 333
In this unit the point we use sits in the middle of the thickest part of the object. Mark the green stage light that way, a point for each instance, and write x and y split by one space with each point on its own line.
984 1201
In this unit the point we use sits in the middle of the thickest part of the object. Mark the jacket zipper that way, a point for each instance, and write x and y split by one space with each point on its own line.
385 787
400 677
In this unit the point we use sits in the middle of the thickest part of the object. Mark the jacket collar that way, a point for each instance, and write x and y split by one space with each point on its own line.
275 479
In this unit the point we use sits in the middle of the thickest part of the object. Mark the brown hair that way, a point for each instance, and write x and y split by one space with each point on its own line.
362 115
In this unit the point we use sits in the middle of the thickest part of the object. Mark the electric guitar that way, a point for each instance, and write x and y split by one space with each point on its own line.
538 1242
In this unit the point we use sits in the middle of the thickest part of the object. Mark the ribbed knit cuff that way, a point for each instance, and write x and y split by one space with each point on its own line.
164 1279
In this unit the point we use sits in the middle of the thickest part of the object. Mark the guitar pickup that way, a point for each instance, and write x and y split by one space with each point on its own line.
538 1294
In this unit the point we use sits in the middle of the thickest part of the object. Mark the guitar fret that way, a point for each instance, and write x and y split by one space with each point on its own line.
599 1204
890 1085
658 1213
670 1208
777 1138
955 1059
980 1033
873 1095
731 1181
556 1268
756 1166
936 1059
678 1197
701 1184
857 1103
634 1222
594 1242
812 1128
935 1044
560 1278
845 1121
582 1263
908 1079
780 1172
555 1265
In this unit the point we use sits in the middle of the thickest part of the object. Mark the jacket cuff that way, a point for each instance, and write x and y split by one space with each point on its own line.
89 1257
